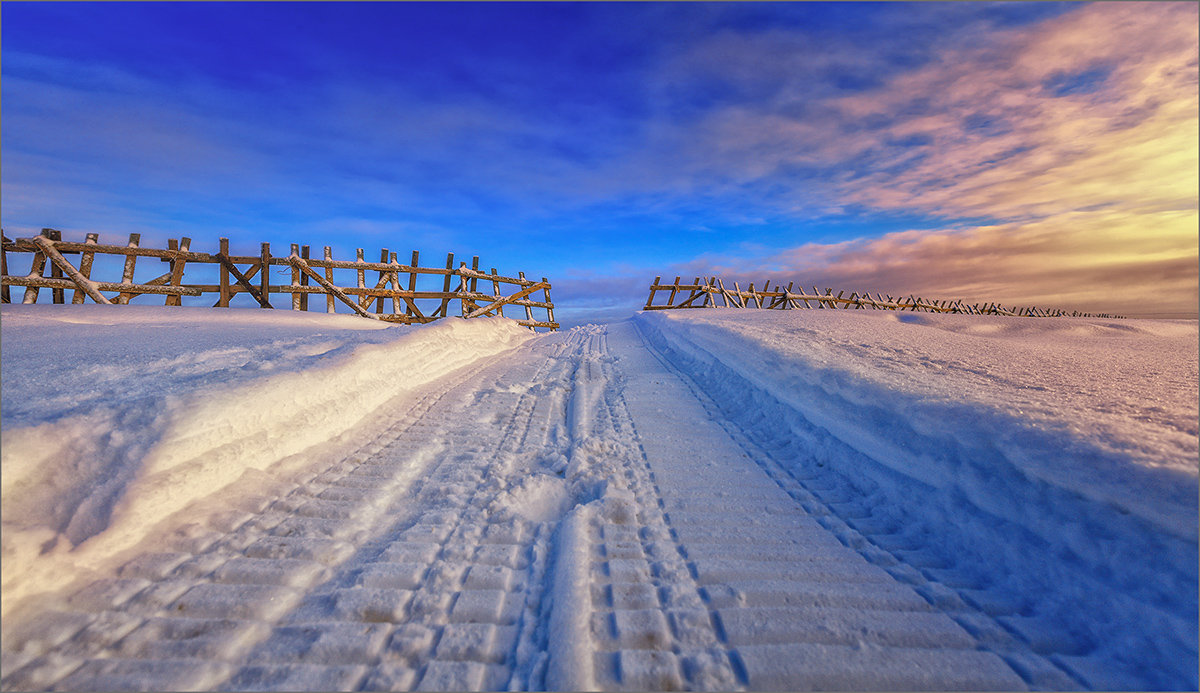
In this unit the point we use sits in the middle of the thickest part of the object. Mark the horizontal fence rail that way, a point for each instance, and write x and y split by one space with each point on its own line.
417 294
705 294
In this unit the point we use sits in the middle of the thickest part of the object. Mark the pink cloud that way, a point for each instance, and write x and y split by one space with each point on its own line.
1098 185
1131 143
1079 261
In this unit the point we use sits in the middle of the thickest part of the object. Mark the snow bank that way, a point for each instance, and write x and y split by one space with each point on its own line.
1050 464
115 418
1104 408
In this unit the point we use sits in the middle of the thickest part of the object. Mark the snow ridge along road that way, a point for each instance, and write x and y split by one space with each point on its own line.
1057 561
408 562
594 509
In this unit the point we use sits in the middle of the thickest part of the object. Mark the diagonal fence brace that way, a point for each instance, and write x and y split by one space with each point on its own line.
337 293
82 282
484 310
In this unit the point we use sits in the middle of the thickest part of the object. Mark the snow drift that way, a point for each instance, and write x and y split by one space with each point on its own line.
116 418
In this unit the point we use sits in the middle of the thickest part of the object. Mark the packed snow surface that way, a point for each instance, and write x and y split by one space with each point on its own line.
709 499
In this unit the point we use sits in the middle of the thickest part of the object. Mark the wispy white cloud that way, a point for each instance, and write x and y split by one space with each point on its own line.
1073 137
978 129
1078 134
1003 142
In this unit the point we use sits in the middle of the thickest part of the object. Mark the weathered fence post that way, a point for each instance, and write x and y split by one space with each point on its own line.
462 288
441 312
36 268
469 285
496 291
223 276
85 267
383 280
177 263
409 306
304 280
264 276
329 306
127 273
474 278
394 282
674 288
546 294
528 310
358 257
296 278
653 288
55 270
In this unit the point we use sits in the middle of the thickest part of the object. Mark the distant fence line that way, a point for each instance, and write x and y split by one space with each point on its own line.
237 275
704 294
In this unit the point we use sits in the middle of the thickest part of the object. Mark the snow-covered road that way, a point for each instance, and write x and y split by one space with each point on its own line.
587 510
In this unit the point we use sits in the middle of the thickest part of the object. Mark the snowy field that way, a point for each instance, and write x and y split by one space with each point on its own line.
710 499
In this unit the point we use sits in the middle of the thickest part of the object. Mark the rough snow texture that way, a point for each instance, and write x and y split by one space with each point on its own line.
115 419
705 499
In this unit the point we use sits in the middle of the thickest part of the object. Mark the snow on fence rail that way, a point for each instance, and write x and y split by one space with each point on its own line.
50 269
704 294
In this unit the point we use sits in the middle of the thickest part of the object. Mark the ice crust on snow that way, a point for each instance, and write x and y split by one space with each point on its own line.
116 417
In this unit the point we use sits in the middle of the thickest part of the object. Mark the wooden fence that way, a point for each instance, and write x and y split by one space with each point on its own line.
704 294
248 280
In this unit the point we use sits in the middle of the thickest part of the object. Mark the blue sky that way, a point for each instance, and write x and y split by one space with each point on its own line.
870 146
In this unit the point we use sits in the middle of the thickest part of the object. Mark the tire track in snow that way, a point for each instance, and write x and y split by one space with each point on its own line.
796 606
453 579
384 570
446 565
113 631
848 517
668 637
630 615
